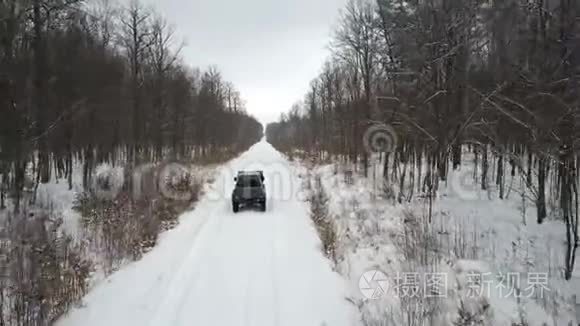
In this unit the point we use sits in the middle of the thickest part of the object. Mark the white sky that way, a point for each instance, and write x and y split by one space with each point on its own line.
270 49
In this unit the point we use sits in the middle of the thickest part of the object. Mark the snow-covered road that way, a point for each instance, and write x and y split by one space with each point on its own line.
220 268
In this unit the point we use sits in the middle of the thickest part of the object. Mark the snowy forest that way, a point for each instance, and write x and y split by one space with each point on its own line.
460 120
93 82
85 84
439 138
499 78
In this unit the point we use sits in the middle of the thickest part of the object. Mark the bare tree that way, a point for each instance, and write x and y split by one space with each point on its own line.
499 80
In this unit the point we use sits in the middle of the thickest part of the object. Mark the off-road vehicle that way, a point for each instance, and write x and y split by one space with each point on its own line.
249 190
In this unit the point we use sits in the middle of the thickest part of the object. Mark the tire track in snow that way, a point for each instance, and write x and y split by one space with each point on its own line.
249 285
261 267
273 262
181 275
194 229
192 284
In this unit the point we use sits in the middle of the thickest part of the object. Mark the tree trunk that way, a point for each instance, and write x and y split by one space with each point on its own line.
484 167
541 200
500 175
39 96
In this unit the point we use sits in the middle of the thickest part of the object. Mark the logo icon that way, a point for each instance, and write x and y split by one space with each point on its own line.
373 284
463 183
380 138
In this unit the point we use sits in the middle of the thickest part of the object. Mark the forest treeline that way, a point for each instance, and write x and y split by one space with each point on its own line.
500 78
95 81
85 83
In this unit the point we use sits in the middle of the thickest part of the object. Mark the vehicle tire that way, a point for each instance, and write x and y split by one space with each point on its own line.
236 207
264 207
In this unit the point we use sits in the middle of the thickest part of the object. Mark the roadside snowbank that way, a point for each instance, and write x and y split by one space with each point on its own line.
500 267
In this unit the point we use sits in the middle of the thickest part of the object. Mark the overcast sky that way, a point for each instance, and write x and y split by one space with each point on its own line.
270 49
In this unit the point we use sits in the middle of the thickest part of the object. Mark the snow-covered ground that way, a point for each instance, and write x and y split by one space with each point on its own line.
472 235
220 268
253 268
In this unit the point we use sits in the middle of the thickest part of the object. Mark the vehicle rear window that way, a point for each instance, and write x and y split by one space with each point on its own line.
249 181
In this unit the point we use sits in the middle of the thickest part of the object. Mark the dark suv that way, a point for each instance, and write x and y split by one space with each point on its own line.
249 190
